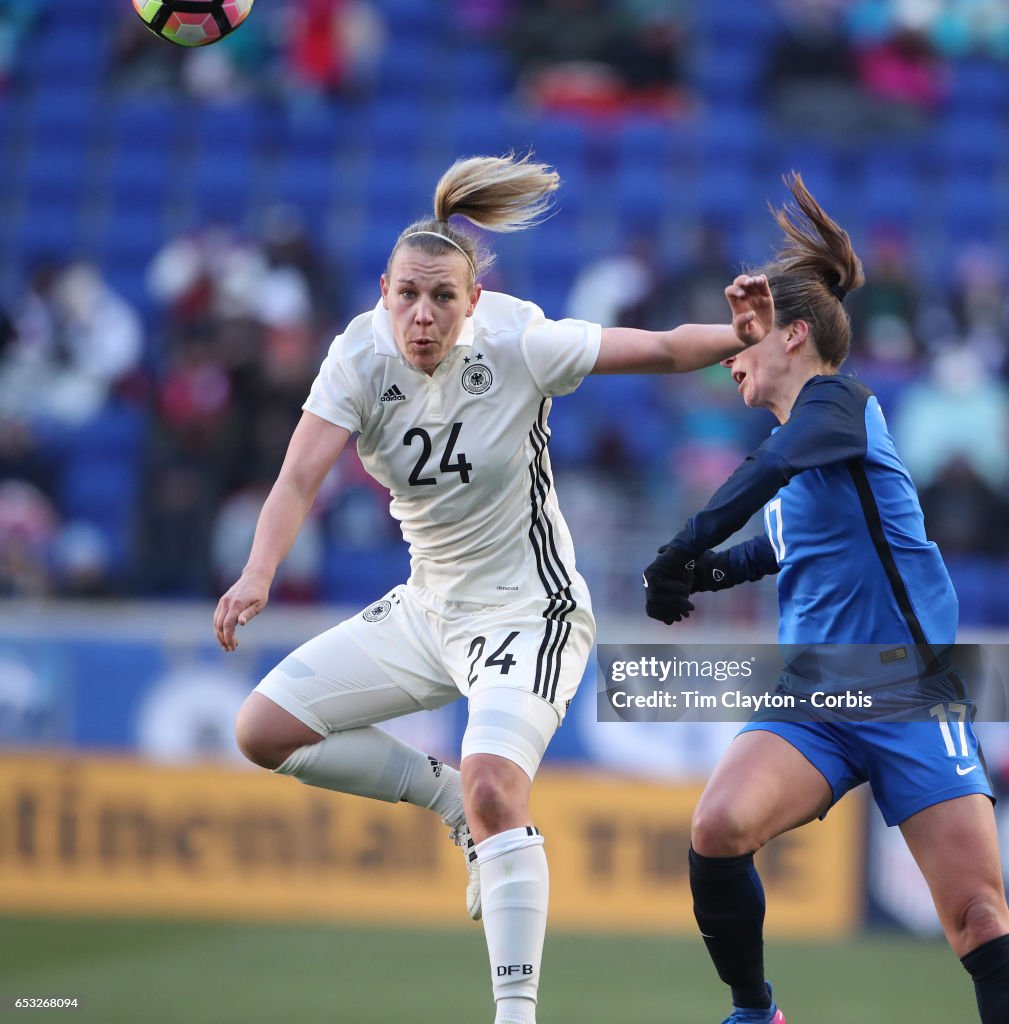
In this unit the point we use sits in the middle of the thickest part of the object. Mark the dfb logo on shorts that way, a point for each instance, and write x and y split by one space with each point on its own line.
477 379
378 611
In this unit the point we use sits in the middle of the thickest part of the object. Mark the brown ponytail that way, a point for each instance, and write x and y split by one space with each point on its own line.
812 272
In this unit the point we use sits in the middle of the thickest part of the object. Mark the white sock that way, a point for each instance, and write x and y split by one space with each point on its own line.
370 762
515 887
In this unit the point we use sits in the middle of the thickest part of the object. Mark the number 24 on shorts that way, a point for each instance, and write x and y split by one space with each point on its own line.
498 659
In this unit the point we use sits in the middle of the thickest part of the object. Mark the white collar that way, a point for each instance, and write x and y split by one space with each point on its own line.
385 343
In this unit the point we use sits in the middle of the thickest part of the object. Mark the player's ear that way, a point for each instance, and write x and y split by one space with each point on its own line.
798 332
474 298
384 284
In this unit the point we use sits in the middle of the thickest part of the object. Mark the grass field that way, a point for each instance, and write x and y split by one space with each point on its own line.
176 973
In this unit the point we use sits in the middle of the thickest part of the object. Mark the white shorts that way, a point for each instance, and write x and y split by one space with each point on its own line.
413 650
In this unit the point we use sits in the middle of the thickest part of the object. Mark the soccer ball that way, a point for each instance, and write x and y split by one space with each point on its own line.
192 22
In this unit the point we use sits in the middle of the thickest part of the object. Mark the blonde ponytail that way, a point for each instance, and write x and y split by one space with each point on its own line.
498 193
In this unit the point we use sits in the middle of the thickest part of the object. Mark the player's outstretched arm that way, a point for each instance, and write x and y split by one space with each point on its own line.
691 346
314 448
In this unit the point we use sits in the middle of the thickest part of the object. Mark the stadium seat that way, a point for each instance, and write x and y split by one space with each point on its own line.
967 207
648 141
231 128
732 133
64 115
101 489
398 128
308 182
58 53
641 193
561 141
978 84
751 25
391 188
475 125
99 478
50 229
891 190
728 74
130 234
414 20
223 185
480 73
134 126
416 70
138 175
724 191
53 173
311 131
969 144
115 431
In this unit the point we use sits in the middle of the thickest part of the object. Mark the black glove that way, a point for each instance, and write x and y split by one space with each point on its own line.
711 572
668 582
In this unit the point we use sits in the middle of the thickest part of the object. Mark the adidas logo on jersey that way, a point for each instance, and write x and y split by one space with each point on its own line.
393 394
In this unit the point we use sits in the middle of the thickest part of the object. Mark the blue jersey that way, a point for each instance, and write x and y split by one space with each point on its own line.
844 528
845 533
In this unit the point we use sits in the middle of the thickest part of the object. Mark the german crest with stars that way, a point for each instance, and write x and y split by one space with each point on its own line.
476 377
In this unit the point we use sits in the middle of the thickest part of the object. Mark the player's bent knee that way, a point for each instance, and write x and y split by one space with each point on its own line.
490 801
720 829
260 751
257 747
267 735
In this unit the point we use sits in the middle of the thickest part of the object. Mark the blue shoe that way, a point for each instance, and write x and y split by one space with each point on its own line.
771 1016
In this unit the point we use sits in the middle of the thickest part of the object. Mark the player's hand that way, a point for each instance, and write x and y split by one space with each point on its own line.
752 307
711 572
668 582
242 603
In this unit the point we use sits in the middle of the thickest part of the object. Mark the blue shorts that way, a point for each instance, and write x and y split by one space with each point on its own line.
909 765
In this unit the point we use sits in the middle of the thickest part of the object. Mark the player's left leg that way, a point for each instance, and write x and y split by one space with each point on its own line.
772 778
520 665
956 846
507 735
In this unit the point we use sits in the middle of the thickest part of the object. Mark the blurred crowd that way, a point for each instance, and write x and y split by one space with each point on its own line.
138 437
207 402
877 65
242 323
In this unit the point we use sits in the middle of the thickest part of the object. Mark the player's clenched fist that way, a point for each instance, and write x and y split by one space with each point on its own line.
752 307
668 581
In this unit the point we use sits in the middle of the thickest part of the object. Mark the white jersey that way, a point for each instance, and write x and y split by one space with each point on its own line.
463 451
